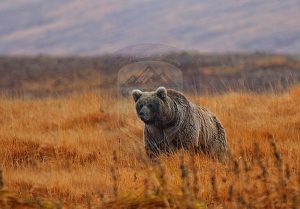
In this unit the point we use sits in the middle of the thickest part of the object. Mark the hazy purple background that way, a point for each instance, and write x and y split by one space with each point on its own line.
105 26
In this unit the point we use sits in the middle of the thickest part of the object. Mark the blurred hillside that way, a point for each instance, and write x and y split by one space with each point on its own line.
41 75
95 27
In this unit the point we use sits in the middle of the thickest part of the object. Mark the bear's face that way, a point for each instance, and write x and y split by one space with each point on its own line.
150 106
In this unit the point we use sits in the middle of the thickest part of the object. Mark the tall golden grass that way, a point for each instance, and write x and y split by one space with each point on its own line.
85 150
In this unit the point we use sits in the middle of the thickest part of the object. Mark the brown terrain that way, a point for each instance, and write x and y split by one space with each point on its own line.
67 141
40 76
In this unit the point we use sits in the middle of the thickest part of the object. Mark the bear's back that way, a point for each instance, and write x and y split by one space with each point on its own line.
177 96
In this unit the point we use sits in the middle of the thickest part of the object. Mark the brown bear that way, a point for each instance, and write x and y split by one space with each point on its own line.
172 123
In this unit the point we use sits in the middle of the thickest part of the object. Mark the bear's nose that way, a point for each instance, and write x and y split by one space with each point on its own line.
142 113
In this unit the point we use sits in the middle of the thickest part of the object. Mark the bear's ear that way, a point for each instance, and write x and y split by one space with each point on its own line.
136 94
161 92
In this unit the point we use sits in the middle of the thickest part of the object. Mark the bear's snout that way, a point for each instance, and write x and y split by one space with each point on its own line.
144 113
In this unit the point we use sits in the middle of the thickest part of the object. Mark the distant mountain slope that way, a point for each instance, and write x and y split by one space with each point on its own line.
42 76
95 27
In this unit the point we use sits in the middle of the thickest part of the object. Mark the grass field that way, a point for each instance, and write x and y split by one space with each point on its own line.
85 150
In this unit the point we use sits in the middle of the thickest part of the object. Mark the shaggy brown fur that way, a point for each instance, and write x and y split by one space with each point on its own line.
172 122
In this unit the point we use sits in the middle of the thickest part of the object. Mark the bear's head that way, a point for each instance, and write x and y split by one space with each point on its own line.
152 107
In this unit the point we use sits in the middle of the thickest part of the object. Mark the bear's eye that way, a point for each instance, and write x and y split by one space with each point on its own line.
140 106
150 105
